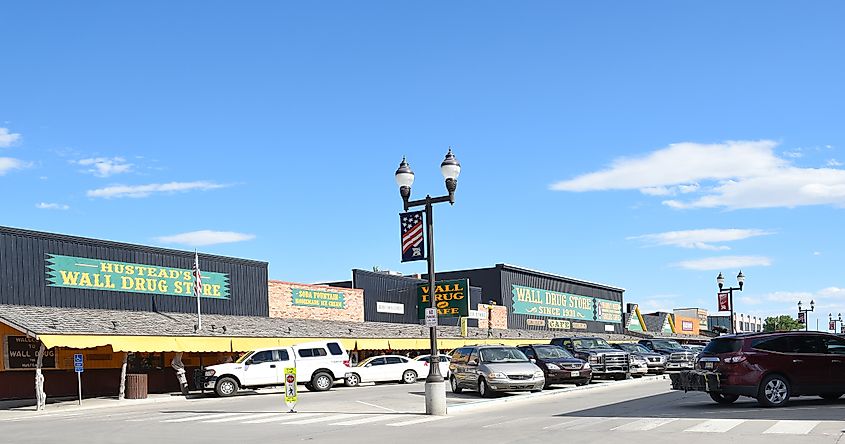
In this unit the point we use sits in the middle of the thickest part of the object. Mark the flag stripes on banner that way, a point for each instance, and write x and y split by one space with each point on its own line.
413 238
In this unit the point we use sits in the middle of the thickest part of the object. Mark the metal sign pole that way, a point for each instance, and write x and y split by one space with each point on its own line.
78 367
79 385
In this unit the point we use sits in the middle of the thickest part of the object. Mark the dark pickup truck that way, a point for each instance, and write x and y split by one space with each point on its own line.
605 361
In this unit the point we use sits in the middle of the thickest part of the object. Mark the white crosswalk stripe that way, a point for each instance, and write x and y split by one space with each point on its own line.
201 417
341 416
793 427
367 420
586 423
644 424
418 421
243 417
281 418
715 425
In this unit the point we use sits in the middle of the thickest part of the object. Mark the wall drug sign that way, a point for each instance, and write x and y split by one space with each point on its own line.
99 274
451 298
539 302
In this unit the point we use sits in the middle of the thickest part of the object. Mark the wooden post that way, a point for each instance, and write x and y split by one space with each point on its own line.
122 392
40 396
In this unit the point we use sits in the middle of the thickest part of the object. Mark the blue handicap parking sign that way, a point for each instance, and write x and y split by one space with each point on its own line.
77 363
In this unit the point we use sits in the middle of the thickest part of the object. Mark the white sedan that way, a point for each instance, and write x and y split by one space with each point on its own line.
390 368
444 364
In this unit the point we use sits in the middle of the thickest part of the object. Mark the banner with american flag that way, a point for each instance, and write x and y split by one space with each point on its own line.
413 240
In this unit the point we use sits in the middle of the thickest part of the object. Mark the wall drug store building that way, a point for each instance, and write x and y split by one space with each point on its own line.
112 301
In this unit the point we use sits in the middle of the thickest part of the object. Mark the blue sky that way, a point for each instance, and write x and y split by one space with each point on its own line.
647 145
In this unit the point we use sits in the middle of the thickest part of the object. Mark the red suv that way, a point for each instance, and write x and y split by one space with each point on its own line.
771 367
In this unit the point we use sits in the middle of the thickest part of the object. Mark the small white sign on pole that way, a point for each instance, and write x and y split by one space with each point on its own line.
481 315
431 317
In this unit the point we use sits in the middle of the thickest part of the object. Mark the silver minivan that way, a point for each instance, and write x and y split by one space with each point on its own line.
491 369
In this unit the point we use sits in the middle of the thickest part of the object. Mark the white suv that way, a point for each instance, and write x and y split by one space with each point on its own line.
318 366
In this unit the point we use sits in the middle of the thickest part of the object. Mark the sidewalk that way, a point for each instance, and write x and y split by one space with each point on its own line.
26 407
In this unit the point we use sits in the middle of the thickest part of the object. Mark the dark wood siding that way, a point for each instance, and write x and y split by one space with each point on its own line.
23 276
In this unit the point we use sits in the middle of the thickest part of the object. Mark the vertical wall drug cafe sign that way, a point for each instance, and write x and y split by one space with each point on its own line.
98 274
539 302
22 352
451 298
308 297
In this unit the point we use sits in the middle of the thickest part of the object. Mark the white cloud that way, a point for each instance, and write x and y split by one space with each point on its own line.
205 237
724 262
8 164
741 174
796 154
681 163
105 167
817 253
834 163
703 239
52 206
147 190
8 139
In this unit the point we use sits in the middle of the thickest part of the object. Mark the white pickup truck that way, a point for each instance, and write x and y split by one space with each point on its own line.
318 366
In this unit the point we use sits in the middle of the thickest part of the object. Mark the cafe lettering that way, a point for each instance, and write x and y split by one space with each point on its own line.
451 298
97 274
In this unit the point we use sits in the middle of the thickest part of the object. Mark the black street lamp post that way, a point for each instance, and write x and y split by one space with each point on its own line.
834 321
435 386
740 278
806 313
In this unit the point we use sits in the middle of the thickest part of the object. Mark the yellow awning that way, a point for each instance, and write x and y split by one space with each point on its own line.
176 344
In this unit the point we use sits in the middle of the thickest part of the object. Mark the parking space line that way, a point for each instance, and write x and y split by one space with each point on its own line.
715 425
282 417
562 424
418 421
378 406
324 418
645 424
201 417
368 420
586 423
242 417
787 427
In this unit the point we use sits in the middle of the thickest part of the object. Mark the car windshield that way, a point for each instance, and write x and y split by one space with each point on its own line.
551 352
718 346
634 348
590 343
667 345
502 354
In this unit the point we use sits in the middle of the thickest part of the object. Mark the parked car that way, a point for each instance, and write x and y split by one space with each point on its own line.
655 362
605 360
318 366
387 368
678 358
558 365
771 367
493 368
443 365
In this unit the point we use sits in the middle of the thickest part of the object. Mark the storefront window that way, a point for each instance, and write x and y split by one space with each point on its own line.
144 362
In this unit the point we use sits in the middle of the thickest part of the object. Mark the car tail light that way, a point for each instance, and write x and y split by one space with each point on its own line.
736 359
346 363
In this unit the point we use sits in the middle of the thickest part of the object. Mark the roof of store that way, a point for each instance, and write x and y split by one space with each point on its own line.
83 328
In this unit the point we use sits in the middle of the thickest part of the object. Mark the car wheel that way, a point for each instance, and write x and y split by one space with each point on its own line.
484 389
774 391
454 383
353 380
723 398
226 387
409 377
321 382
831 396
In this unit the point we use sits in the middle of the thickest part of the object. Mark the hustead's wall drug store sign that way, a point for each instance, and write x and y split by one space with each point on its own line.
539 302
97 274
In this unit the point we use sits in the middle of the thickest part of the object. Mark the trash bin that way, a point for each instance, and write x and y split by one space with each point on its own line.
136 386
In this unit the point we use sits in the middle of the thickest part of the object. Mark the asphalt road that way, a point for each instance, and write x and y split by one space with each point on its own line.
645 411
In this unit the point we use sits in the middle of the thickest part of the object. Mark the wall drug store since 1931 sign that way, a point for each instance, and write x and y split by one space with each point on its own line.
98 274
539 302
451 298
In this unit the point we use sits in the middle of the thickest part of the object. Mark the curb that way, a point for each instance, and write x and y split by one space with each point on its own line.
477 405
29 411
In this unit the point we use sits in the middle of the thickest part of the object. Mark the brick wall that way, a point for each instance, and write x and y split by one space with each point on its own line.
320 297
499 316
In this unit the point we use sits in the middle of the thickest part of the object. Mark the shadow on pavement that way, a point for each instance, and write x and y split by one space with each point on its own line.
699 405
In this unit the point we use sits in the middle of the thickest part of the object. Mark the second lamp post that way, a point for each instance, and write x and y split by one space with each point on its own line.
805 314
740 278
435 386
